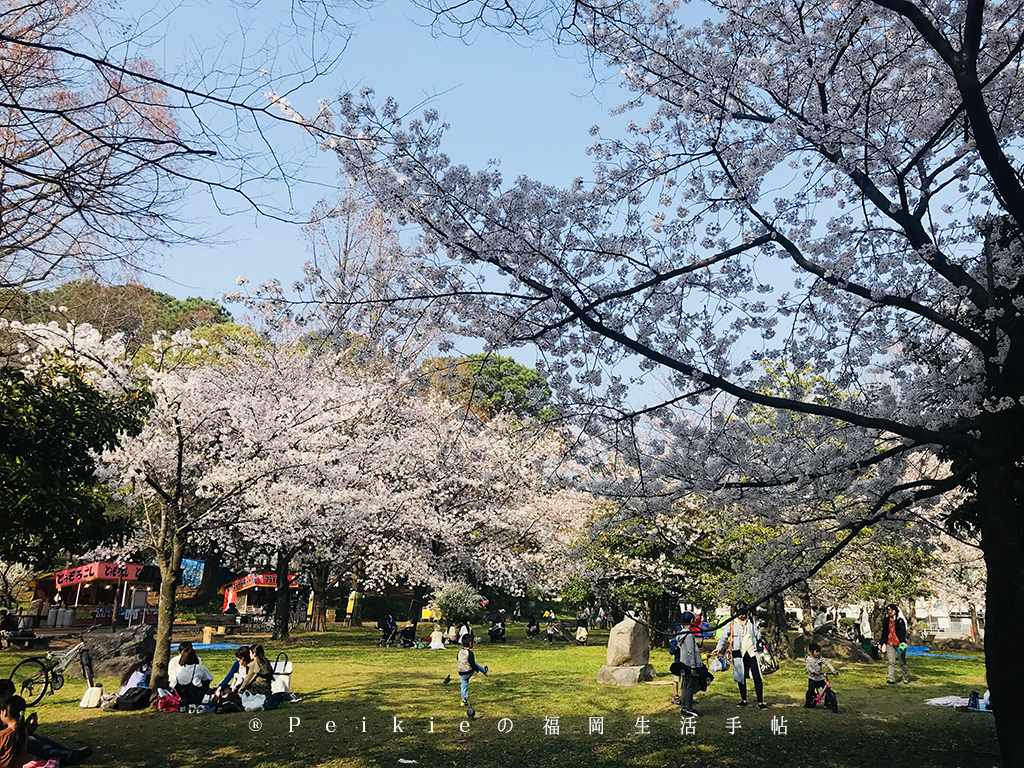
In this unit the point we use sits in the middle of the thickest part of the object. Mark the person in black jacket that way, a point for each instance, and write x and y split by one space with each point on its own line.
894 642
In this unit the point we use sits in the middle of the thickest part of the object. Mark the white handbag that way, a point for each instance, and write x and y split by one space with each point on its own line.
92 697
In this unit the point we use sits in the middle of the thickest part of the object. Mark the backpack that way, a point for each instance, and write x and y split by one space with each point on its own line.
973 702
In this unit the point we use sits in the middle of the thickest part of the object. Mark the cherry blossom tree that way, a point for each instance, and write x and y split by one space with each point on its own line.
229 432
832 183
428 495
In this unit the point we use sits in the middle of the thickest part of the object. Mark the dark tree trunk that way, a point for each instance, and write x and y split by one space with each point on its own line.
806 609
778 627
211 566
169 563
913 633
976 626
283 608
321 582
660 627
355 615
419 594
1002 527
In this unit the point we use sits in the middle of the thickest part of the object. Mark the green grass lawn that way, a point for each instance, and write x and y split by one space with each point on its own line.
346 681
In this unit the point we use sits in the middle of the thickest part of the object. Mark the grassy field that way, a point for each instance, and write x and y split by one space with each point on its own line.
357 690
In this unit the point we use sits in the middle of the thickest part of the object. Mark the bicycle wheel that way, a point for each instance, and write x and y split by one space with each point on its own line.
30 679
831 702
86 660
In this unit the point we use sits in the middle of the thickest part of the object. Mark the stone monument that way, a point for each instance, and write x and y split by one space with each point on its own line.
629 655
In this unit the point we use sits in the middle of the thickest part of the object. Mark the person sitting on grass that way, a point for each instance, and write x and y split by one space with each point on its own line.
8 626
259 676
192 682
437 638
815 675
237 672
467 666
40 748
175 664
14 736
136 676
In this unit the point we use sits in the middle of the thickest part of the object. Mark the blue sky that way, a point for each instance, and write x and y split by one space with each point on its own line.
530 107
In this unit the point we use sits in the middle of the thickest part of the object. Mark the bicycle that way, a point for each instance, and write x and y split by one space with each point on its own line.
36 676
828 697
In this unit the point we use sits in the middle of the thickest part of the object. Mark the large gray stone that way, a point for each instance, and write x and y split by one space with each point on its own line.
625 676
629 645
113 653
832 648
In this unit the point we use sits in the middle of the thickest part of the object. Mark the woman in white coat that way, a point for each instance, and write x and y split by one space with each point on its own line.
743 638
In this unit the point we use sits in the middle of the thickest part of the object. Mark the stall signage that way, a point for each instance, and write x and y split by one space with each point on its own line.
97 571
261 580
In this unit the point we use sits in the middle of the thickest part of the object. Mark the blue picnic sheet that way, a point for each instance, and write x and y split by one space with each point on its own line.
921 650
210 646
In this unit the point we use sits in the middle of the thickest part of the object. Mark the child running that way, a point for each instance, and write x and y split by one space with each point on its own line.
467 666
815 677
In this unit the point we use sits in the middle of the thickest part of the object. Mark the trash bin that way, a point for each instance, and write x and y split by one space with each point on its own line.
51 617
25 622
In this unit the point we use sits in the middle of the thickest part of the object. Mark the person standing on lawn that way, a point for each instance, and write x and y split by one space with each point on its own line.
894 642
692 663
743 639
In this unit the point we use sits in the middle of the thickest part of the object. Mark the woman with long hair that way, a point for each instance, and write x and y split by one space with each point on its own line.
14 737
136 675
260 674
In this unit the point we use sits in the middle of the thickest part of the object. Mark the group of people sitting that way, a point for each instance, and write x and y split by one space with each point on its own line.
251 673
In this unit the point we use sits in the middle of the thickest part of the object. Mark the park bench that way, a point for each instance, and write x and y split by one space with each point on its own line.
28 643
228 621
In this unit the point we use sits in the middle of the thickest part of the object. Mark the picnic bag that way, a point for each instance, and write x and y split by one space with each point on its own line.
706 678
768 661
92 697
720 664
133 698
168 703
252 702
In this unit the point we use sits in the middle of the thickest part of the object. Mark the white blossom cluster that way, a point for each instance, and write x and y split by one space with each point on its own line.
829 187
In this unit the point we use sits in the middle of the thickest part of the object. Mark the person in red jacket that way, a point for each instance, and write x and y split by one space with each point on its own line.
894 642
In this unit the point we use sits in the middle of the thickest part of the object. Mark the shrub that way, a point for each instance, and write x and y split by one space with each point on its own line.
456 603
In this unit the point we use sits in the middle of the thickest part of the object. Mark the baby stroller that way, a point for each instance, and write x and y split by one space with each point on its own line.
581 635
497 632
407 637
388 631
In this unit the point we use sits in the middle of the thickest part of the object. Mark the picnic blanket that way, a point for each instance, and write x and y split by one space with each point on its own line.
210 646
923 650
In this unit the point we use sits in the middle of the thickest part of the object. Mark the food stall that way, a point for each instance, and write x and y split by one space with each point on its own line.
257 593
88 594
